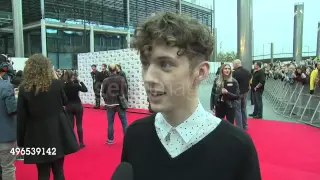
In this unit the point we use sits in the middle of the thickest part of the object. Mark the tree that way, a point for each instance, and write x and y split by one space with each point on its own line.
226 56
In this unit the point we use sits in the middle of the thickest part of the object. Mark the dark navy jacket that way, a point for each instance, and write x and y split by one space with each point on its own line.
8 109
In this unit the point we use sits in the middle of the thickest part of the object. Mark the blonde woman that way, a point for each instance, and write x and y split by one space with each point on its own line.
225 93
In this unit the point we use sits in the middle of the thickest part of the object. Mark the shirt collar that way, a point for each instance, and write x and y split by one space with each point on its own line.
188 128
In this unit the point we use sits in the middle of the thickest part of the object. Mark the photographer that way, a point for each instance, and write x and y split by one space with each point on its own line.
8 131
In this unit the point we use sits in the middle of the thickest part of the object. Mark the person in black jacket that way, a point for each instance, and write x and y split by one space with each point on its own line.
113 90
225 93
72 87
96 82
8 131
257 87
104 72
123 74
43 129
17 79
243 77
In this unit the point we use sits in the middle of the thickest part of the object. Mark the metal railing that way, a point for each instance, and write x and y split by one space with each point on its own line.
283 55
293 101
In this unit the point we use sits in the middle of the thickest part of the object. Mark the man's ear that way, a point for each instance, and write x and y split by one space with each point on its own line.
202 70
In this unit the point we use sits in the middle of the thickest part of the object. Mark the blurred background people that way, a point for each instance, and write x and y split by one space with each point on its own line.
113 93
41 120
17 79
123 74
314 78
257 87
72 87
243 77
96 79
224 95
104 71
8 131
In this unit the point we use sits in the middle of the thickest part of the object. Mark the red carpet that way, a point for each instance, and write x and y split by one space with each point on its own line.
286 150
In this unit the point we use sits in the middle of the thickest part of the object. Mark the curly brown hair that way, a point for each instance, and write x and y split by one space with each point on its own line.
37 74
193 38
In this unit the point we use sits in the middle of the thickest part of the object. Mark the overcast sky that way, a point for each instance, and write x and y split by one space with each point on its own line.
272 22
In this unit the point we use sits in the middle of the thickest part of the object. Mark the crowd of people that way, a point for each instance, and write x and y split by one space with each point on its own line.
305 74
230 89
41 107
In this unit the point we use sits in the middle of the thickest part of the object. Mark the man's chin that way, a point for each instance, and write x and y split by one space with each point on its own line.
159 107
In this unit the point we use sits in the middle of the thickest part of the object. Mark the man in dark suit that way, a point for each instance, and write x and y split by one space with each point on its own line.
104 72
123 74
96 82
257 87
8 109
243 77
113 93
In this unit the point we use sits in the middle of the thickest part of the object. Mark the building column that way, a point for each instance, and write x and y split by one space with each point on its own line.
43 37
214 54
298 32
214 30
244 40
6 44
180 6
128 24
29 44
271 52
18 28
318 41
91 39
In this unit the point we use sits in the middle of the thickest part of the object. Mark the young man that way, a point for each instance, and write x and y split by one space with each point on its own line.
182 140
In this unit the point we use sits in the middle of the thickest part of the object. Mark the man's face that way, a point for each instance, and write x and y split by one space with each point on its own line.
318 66
235 66
93 68
104 68
169 80
256 66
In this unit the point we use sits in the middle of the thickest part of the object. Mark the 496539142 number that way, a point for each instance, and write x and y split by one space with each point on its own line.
34 151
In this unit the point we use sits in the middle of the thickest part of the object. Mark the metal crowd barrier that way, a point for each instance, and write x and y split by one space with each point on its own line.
294 101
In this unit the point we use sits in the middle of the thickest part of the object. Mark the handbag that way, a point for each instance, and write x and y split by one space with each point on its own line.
123 102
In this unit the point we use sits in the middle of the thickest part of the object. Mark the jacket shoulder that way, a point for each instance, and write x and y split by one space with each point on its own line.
142 123
5 84
234 80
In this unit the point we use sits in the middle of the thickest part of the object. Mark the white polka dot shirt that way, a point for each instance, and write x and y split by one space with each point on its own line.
178 139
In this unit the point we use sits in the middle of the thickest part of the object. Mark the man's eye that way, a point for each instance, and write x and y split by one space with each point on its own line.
165 65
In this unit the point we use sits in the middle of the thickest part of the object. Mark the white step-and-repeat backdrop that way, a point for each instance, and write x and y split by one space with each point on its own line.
130 63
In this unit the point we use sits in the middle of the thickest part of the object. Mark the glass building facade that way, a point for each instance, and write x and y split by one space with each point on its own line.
69 27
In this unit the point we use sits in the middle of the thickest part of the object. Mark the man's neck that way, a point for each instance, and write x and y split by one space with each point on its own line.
179 115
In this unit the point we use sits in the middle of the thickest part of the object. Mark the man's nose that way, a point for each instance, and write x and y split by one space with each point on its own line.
150 74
